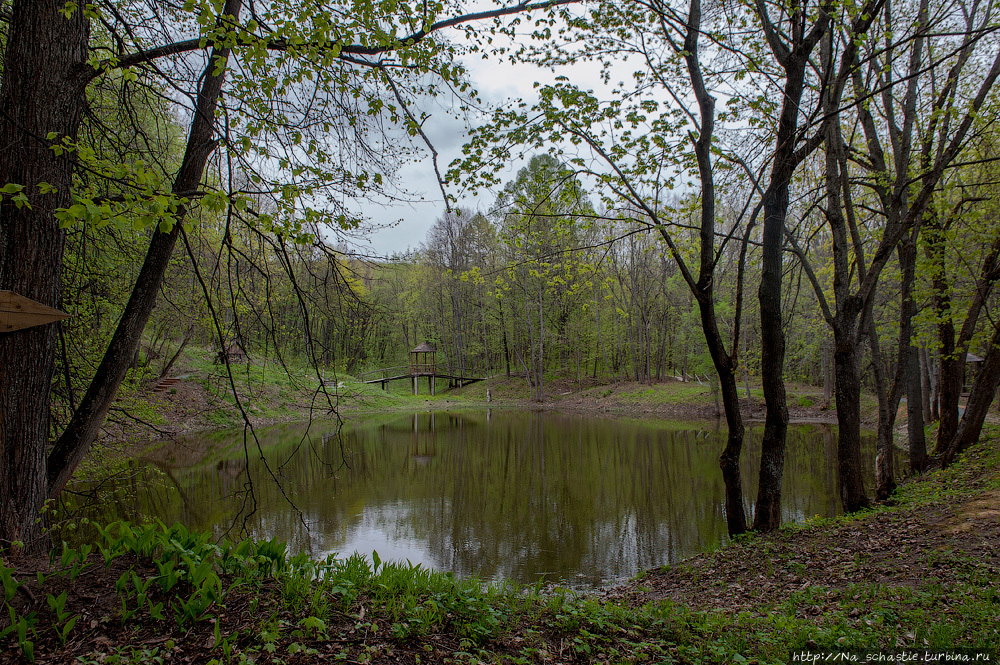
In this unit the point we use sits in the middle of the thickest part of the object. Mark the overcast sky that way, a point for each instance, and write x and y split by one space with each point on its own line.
497 83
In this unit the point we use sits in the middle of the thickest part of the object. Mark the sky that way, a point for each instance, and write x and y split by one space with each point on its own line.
498 83
407 224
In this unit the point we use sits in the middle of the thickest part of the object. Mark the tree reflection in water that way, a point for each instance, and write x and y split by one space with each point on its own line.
502 495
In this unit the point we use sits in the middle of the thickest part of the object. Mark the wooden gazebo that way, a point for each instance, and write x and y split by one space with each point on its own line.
423 360
233 352
973 363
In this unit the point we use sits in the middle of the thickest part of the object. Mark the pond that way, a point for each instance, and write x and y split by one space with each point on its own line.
524 496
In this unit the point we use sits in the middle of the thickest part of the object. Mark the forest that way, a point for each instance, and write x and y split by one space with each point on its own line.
758 193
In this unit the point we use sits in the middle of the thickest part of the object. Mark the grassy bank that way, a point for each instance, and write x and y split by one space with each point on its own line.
204 396
920 573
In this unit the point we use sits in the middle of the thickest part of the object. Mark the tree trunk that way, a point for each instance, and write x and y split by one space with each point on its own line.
506 345
793 59
827 376
540 365
888 404
848 390
42 92
926 390
844 321
86 421
772 455
891 395
729 460
953 350
984 387
949 371
173 359
915 413
908 369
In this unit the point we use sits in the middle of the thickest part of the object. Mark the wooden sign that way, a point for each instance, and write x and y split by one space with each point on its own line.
18 312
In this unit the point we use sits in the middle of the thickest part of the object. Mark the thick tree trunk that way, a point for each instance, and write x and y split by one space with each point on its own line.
42 92
848 388
772 456
793 59
772 349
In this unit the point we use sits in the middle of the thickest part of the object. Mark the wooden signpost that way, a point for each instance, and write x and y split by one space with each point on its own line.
18 312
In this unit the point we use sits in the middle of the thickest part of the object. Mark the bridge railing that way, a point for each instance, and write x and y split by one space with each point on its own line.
417 369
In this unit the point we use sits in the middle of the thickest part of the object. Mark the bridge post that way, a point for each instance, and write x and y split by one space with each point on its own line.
416 390
430 384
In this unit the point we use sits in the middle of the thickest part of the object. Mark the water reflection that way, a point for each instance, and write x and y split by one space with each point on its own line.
502 495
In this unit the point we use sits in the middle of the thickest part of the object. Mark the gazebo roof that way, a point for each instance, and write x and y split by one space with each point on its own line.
972 358
424 347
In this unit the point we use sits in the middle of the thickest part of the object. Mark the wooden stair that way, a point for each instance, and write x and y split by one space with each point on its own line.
164 384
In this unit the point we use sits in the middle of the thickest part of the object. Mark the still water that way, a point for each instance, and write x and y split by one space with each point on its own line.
525 496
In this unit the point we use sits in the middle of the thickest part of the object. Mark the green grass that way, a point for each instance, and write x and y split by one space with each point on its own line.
274 392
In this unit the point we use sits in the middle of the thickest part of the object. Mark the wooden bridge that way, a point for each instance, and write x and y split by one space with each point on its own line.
387 374
423 362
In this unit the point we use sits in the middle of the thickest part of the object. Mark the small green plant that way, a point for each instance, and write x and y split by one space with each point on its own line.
134 656
78 563
23 628
64 622
314 626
